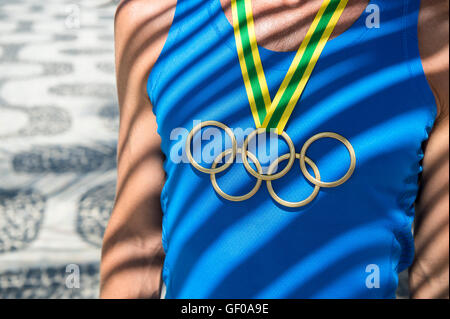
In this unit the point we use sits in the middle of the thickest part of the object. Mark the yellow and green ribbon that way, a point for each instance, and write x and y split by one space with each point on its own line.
275 114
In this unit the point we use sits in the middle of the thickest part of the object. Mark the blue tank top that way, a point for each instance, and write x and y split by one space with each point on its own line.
351 241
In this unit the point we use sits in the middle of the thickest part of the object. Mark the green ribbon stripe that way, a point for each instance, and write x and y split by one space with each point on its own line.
298 74
250 63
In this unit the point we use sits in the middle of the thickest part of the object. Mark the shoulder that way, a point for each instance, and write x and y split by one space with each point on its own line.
141 28
433 31
131 13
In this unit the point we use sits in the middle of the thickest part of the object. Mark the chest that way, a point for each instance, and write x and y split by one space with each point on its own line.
358 89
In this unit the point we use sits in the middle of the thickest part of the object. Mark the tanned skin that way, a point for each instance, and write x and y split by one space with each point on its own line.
429 272
132 255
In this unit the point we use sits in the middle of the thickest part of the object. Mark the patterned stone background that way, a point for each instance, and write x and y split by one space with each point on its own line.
58 130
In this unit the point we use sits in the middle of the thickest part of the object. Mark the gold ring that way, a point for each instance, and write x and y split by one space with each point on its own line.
262 176
235 198
293 204
347 145
233 148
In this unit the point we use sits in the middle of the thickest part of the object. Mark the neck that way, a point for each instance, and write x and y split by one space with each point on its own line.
281 25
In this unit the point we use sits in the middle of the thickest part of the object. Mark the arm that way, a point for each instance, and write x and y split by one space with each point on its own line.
132 254
429 274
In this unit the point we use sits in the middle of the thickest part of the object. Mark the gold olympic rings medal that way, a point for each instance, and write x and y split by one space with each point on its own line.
293 204
350 149
236 198
258 173
214 170
268 177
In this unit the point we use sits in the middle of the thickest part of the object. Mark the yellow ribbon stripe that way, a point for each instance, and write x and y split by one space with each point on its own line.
252 70
312 63
254 59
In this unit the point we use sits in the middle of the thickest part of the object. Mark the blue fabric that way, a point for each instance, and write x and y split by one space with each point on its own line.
368 86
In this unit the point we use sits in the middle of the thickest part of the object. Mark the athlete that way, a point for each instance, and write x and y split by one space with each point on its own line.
357 93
